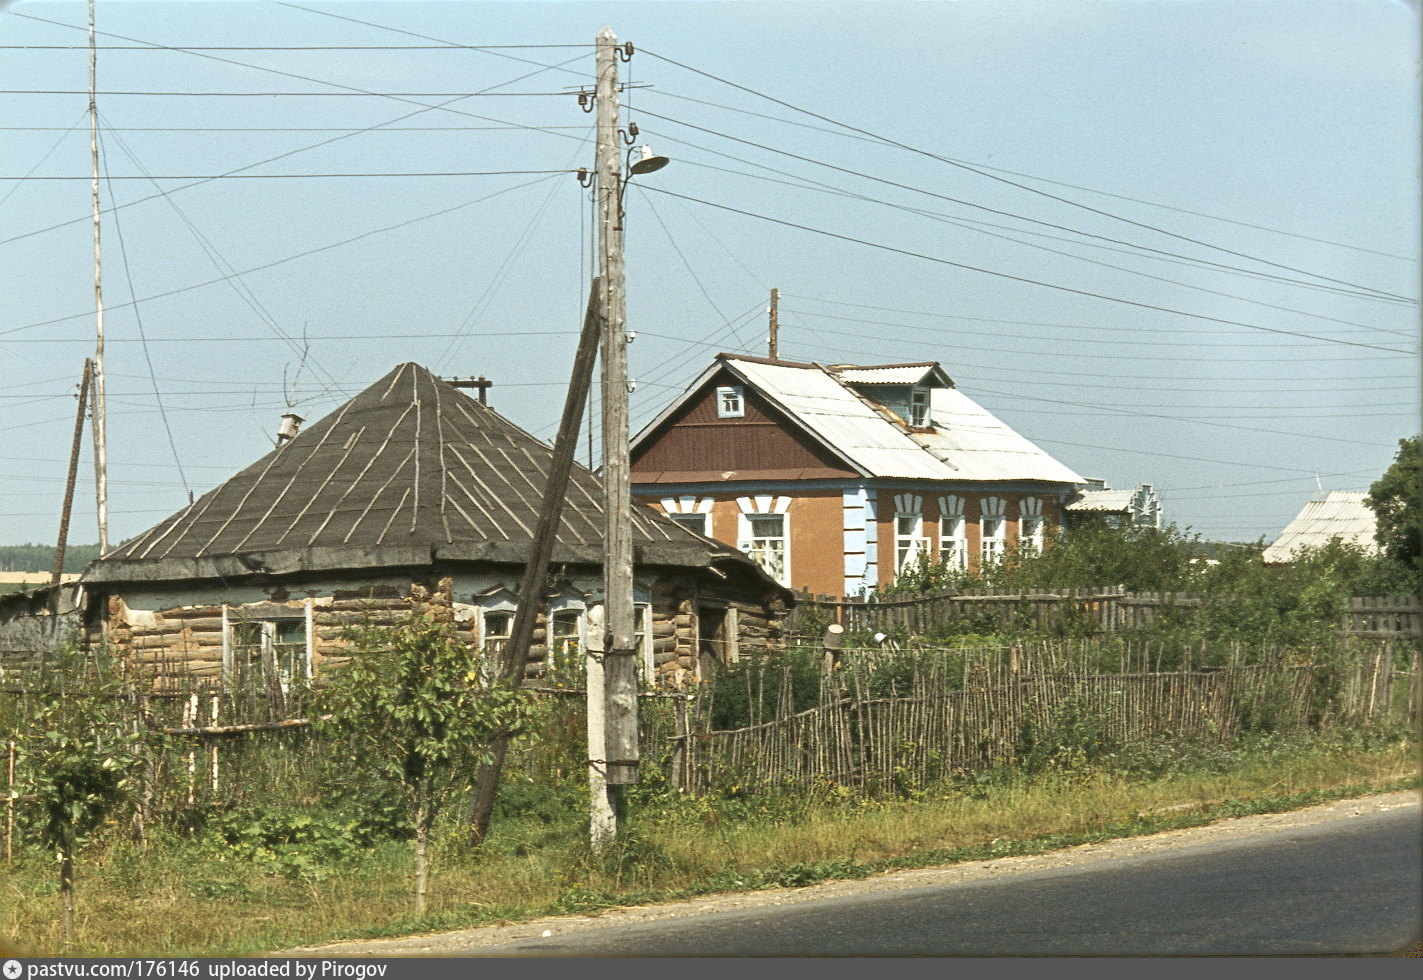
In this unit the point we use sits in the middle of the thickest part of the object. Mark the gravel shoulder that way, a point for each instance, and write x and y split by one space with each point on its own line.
471 941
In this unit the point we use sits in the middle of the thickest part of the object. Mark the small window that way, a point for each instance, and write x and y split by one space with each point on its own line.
267 656
693 522
498 627
729 402
919 407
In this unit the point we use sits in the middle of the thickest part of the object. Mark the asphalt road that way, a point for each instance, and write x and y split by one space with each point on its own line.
1341 887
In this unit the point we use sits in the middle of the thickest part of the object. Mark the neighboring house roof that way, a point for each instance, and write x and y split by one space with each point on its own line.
966 442
1103 501
1140 506
1332 514
409 472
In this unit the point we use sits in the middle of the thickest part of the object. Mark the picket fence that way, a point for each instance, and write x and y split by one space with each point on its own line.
1092 611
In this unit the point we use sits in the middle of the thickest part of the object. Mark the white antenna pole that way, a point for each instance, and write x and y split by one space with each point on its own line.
101 474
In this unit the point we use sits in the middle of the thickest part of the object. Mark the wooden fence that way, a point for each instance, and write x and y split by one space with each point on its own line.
1094 611
945 725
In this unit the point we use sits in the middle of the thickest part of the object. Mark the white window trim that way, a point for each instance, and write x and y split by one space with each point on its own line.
953 532
567 603
725 411
1030 524
766 505
994 509
919 396
908 547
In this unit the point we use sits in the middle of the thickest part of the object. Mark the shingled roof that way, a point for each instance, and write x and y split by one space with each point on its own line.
409 472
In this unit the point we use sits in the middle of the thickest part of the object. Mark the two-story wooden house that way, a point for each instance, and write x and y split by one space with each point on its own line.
835 477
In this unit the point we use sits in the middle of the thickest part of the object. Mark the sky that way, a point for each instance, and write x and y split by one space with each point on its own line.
1170 242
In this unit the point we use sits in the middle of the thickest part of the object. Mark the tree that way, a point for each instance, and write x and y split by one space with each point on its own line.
81 757
1396 499
416 715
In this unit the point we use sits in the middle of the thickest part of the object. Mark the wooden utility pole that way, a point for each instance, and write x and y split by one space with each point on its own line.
775 324
101 468
620 749
73 473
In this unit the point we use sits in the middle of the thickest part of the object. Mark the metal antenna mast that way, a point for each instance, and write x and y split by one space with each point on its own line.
101 468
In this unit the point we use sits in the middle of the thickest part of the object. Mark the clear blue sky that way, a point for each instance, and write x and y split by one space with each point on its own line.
1171 242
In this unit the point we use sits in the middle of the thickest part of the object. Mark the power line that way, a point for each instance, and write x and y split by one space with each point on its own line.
359 94
1024 279
1004 180
235 176
276 262
969 224
1046 180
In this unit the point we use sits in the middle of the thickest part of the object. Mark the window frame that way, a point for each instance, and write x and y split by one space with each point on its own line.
290 659
731 401
756 545
920 416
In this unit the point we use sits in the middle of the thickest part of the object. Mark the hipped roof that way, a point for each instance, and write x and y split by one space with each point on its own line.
409 472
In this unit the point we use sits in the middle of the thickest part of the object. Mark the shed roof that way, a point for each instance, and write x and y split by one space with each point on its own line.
1332 514
966 443
408 472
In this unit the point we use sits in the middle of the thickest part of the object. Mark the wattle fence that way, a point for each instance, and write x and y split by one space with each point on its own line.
1096 612
966 711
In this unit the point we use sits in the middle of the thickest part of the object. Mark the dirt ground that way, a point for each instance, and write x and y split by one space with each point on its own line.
471 940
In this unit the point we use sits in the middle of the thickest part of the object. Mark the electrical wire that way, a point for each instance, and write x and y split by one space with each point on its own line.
983 173
276 262
1024 279
143 336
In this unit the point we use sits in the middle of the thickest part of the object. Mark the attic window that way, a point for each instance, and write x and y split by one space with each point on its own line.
730 403
919 407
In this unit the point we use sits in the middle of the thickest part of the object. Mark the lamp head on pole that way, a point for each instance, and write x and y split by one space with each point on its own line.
647 163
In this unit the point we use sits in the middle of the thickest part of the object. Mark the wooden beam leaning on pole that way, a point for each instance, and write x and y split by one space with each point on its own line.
69 485
535 581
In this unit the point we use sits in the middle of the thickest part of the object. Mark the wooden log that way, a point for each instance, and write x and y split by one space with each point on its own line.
171 622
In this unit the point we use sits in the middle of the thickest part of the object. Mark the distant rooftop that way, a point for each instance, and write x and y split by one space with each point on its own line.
1333 514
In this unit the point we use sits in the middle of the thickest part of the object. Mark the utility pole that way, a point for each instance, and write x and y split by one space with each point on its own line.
619 752
101 467
775 324
69 484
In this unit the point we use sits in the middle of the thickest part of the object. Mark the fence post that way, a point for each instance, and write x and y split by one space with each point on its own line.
10 807
679 746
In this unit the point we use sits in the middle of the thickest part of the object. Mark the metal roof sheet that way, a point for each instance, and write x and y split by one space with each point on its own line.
1333 514
1111 501
888 374
979 446
968 442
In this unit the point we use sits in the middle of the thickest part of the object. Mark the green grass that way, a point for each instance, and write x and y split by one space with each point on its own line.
196 896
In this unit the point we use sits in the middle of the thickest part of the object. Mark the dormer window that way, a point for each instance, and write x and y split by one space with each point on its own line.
730 402
919 407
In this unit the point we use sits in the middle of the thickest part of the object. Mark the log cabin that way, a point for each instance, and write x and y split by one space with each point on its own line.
411 496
